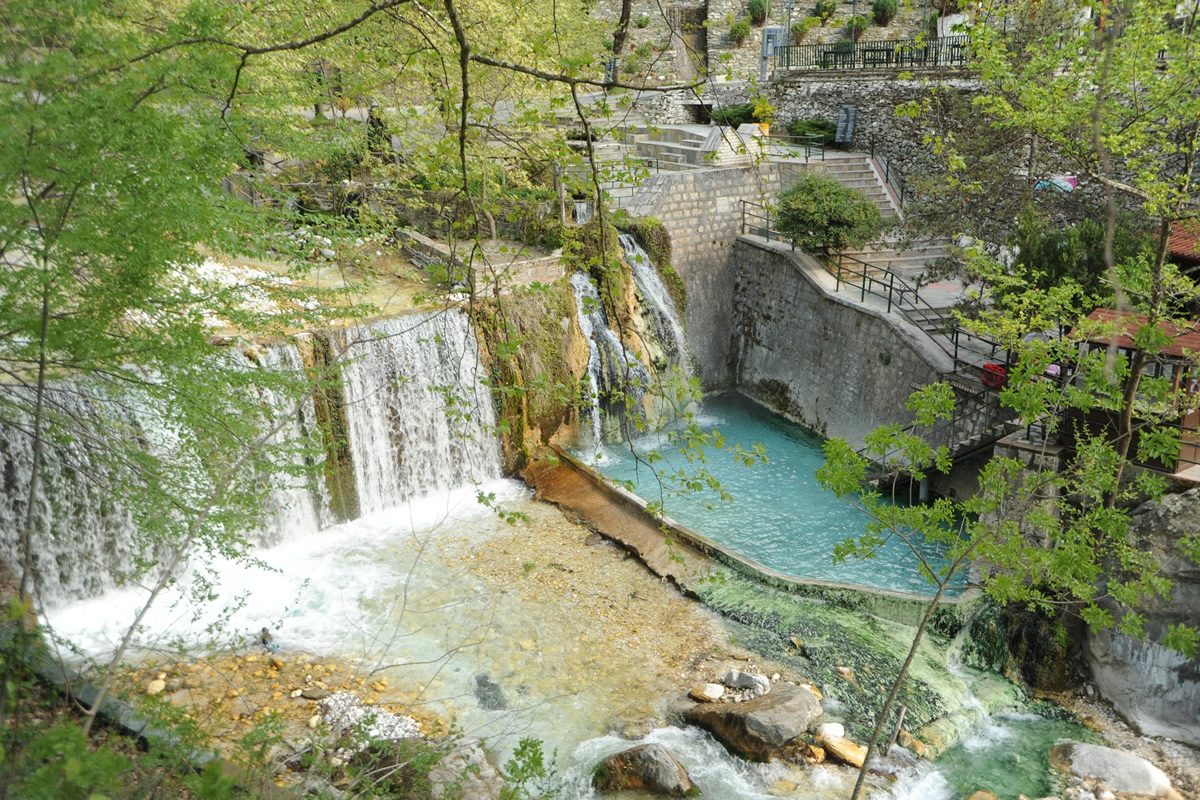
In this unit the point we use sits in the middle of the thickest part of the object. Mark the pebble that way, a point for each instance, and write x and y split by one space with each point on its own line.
314 721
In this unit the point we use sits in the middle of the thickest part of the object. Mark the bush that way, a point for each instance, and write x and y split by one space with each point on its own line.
758 11
814 126
818 212
824 10
733 115
642 21
884 11
800 28
856 25
739 31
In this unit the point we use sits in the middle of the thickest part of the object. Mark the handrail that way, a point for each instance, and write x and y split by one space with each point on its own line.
888 285
940 51
813 144
891 175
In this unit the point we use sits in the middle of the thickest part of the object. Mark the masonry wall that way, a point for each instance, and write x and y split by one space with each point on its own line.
702 213
835 366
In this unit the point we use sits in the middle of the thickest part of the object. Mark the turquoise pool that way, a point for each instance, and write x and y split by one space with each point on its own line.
779 516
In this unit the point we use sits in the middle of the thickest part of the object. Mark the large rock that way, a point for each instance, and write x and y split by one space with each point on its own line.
1157 689
842 749
466 772
646 768
1116 769
758 728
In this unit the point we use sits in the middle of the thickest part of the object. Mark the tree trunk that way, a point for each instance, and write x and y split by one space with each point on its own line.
35 473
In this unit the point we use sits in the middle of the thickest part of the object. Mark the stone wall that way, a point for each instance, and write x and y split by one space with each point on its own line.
1156 689
839 367
876 97
702 214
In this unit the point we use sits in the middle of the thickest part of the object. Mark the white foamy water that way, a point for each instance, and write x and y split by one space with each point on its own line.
321 592
657 304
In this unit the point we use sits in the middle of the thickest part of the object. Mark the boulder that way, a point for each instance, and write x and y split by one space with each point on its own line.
707 693
759 684
1116 769
759 727
647 768
467 773
841 749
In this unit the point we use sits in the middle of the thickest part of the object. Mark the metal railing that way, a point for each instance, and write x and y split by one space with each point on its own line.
891 175
942 51
897 293
811 145
757 220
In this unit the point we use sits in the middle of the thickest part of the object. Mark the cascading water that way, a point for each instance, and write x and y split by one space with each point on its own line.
299 503
615 374
83 536
584 290
658 305
420 418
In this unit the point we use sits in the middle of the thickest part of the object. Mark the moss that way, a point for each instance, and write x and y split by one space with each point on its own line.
333 425
653 236
528 351
817 638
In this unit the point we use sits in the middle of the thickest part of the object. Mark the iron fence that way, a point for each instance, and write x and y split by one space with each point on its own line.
942 51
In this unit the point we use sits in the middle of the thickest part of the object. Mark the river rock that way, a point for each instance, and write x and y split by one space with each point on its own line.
647 768
156 686
466 772
346 715
759 727
1116 769
707 693
735 679
489 694
841 749
835 730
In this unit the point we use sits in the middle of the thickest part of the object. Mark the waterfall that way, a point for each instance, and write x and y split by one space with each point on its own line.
83 534
298 503
420 418
618 379
585 291
657 304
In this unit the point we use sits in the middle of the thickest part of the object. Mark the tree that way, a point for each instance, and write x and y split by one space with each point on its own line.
817 213
1124 112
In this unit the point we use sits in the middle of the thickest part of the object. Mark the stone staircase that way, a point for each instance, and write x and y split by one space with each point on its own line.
858 171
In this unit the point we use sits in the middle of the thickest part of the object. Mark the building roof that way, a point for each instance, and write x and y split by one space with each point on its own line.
1184 341
1184 241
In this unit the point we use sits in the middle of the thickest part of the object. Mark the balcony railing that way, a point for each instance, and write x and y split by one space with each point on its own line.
943 51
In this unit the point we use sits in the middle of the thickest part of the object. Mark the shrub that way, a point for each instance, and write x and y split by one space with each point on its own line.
856 25
642 21
824 10
884 11
818 212
739 31
758 11
814 126
733 115
800 28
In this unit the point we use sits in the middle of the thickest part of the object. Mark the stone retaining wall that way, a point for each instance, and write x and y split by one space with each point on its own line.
839 367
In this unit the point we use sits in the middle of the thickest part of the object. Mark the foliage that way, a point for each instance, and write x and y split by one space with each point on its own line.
817 212
734 115
642 21
801 27
824 10
758 10
739 31
883 11
527 776
1055 254
856 25
808 127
